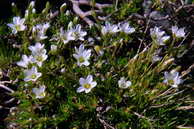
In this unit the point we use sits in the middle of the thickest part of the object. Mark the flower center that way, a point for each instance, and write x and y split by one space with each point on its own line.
39 58
123 85
33 76
63 37
17 27
87 86
42 94
76 35
170 82
81 60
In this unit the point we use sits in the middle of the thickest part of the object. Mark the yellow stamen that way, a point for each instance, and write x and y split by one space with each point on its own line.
33 76
81 60
39 58
87 86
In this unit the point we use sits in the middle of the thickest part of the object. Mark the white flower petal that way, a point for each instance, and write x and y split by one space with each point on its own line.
128 83
87 90
89 78
82 81
86 63
80 89
93 84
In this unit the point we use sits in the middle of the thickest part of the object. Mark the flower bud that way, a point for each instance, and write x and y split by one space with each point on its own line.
166 64
75 20
63 7
70 25
67 13
32 4
33 10
12 4
53 48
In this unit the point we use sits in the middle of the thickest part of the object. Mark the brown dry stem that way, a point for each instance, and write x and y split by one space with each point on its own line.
84 15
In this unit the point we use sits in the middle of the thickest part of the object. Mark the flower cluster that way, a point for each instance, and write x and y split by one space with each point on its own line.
113 28
72 34
38 56
82 55
110 69
171 78
158 36
178 33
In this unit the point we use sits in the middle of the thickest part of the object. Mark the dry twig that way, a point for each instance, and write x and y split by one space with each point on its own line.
141 116
184 127
185 108
106 124
84 15
184 73
5 87
184 7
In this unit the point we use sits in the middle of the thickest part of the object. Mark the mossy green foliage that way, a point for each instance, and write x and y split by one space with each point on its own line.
147 104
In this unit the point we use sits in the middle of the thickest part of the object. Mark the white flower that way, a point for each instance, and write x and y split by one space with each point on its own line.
108 28
82 56
91 40
39 58
86 84
123 83
67 36
126 28
156 57
17 25
31 74
62 70
38 54
172 78
77 33
179 33
39 92
53 47
39 31
37 48
25 61
158 36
